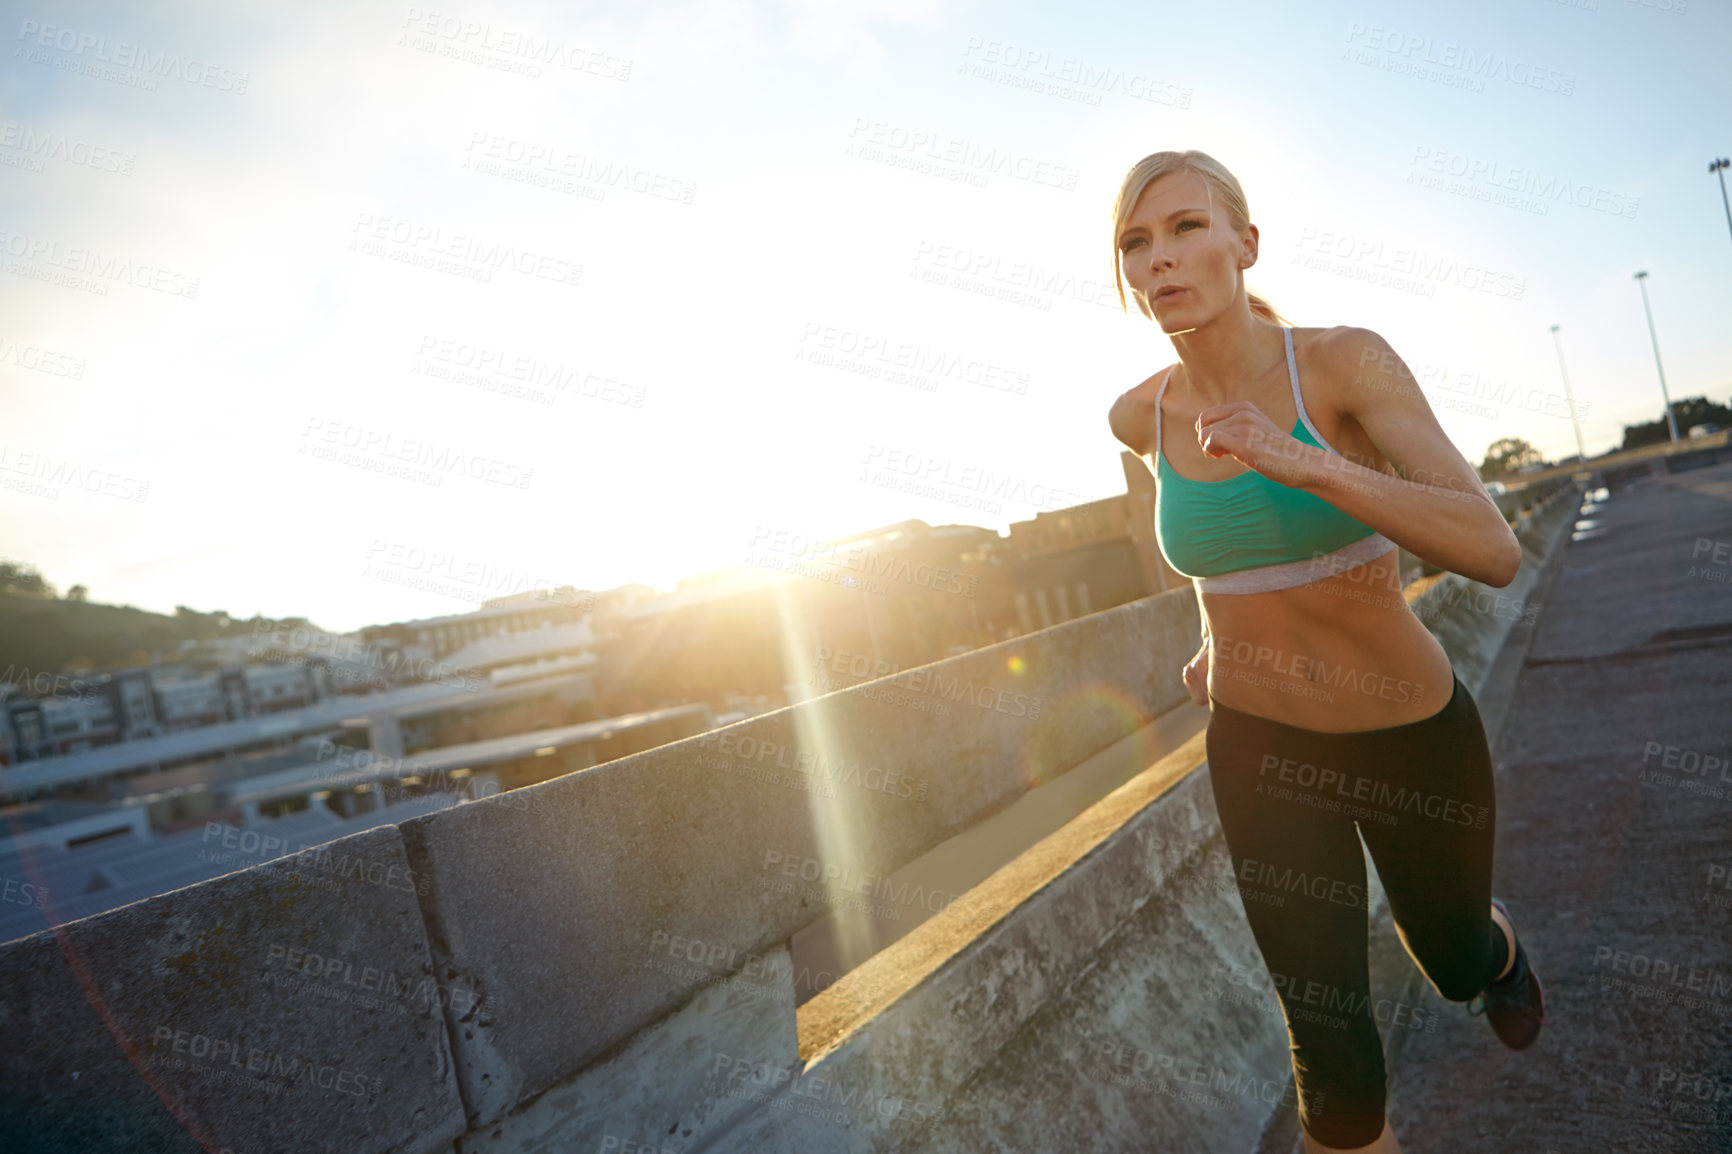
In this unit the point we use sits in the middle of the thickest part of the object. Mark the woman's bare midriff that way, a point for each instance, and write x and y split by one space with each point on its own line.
1338 655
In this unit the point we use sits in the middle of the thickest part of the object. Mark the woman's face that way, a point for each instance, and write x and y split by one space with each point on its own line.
1180 258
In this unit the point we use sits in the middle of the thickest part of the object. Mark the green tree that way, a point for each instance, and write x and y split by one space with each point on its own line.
1506 455
78 593
24 580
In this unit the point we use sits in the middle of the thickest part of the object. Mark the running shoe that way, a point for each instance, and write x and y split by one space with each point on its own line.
1514 1004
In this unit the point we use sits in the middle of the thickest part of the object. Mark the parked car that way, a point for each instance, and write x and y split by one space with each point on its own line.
1704 430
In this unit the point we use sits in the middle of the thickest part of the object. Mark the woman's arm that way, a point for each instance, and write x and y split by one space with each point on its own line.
1435 507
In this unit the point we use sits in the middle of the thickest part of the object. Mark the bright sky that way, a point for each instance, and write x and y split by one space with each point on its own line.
715 232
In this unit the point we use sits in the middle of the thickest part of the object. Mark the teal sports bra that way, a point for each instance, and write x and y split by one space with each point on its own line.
1250 534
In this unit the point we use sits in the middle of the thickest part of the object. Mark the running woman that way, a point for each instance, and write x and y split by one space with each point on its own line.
1334 714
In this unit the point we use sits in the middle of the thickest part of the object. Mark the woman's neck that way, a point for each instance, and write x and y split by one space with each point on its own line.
1223 357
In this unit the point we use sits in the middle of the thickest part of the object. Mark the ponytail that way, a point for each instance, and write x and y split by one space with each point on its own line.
1262 308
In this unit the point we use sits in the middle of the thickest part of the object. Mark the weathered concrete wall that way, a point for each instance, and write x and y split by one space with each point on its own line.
605 955
568 937
718 839
287 1007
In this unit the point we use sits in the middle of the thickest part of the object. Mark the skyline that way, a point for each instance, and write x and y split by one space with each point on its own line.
367 288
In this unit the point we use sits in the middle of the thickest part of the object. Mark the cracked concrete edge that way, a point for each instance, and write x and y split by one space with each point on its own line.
689 1078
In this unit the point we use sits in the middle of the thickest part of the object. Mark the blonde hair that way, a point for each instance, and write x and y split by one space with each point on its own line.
1216 178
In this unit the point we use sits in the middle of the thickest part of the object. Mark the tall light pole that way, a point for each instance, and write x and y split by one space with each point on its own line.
1719 167
1671 422
1581 453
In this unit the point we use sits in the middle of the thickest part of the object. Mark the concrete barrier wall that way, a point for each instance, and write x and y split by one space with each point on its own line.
559 902
550 930
288 1007
604 956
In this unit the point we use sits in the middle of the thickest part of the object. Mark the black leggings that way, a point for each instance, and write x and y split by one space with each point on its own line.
1289 799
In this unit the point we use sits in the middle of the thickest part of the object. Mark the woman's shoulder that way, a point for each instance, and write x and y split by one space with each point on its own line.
1343 361
1340 346
1133 413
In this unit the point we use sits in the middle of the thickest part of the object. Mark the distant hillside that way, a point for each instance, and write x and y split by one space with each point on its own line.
42 633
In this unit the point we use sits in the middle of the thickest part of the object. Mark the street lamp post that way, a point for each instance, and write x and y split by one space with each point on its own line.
1581 453
1671 422
1719 167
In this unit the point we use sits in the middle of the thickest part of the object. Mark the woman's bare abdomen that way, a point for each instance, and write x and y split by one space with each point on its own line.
1338 655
